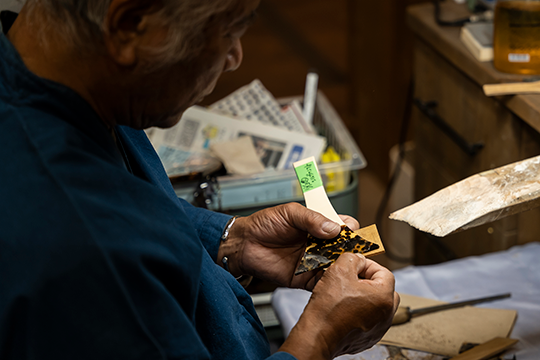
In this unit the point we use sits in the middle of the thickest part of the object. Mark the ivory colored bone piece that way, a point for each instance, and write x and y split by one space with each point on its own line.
477 200
532 87
312 187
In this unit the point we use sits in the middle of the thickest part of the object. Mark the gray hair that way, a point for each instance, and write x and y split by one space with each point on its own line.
82 22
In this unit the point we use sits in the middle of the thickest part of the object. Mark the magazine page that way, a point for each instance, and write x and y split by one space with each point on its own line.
199 128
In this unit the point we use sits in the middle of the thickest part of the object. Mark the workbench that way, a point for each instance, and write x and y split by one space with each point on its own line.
516 271
458 131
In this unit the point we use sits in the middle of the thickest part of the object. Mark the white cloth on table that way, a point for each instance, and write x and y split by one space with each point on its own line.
516 270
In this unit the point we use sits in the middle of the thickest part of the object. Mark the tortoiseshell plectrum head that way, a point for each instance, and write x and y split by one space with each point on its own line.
324 252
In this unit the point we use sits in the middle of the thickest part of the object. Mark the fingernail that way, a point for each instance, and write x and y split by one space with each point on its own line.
330 227
360 256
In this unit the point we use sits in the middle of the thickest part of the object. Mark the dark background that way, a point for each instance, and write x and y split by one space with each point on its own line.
362 51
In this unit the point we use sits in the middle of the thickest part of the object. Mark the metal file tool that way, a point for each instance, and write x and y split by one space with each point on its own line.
404 313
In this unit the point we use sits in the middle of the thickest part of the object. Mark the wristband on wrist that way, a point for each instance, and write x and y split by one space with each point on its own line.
224 237
242 279
228 227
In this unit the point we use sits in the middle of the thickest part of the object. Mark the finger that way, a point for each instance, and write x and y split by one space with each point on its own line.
397 300
299 281
353 264
311 221
351 222
314 280
377 273
374 270
307 280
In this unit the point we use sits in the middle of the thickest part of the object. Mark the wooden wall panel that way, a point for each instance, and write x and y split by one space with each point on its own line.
440 162
380 51
529 222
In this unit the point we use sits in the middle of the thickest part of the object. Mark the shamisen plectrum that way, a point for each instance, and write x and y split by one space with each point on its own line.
323 252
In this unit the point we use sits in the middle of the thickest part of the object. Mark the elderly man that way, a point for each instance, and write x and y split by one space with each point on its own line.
98 257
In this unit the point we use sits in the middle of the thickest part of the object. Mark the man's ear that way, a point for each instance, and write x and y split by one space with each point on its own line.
128 28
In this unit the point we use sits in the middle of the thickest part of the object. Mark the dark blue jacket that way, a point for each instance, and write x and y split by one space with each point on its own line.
97 262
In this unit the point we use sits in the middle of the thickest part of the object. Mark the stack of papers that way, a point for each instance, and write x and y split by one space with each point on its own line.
478 39
279 135
444 332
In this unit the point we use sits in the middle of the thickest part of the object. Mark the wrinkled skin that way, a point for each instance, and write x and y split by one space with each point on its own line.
356 294
353 301
276 237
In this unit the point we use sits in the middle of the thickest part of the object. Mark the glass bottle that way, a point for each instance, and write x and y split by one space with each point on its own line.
516 36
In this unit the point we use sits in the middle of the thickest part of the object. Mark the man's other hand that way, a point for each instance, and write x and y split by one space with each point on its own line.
351 308
271 242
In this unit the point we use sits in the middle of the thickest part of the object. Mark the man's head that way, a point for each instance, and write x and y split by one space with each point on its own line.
155 57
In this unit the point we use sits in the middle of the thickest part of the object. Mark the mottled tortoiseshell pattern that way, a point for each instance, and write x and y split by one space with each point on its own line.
323 252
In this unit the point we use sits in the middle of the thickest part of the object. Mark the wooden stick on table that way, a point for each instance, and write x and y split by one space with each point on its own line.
512 88
486 350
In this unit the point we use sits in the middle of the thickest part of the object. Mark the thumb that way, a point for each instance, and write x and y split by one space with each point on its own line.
311 221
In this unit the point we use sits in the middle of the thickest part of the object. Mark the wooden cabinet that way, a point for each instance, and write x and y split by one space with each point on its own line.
448 88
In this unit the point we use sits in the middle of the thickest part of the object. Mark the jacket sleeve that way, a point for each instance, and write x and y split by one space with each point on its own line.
281 356
209 225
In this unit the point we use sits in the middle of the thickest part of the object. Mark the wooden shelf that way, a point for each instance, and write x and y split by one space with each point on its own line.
448 87
445 40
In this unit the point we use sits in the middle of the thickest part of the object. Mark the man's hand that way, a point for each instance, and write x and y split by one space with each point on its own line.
351 308
270 243
353 301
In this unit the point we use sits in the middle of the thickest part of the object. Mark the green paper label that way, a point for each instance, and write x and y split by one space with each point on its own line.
308 176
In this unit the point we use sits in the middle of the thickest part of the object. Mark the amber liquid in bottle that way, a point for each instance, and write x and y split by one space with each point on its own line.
516 42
